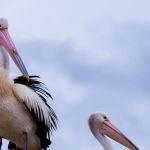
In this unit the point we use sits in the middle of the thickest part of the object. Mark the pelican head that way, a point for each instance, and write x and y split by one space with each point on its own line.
101 127
7 43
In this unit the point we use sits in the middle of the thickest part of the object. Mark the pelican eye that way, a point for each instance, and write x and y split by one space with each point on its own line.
105 118
0 26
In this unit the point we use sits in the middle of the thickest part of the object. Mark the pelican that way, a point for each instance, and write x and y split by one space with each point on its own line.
26 119
101 126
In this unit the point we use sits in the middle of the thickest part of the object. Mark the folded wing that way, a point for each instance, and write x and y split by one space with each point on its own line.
33 94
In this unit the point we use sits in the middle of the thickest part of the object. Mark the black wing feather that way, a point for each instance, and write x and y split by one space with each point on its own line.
43 131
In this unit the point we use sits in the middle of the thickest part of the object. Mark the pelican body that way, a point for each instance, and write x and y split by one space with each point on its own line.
25 117
14 117
101 127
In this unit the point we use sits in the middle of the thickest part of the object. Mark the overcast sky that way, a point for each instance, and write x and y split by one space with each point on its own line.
94 55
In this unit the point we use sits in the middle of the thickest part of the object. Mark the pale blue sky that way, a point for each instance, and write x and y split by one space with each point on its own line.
94 56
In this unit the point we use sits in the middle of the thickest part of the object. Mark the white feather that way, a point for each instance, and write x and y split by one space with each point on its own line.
33 101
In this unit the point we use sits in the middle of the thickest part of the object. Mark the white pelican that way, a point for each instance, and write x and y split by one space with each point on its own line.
25 117
101 127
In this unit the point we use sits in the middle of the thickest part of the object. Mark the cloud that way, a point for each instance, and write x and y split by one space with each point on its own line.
69 19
